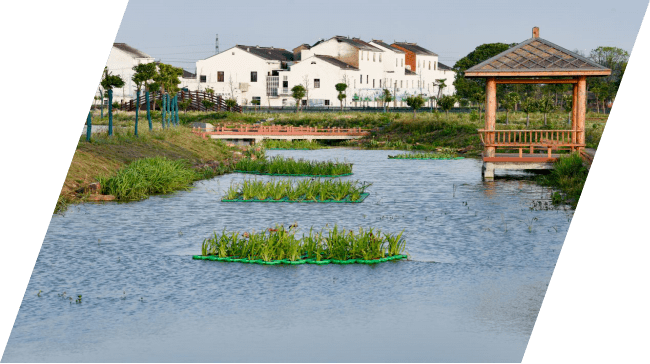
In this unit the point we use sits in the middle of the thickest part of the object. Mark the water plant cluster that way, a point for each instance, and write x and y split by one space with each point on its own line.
445 154
280 245
149 176
306 190
292 145
279 165
569 176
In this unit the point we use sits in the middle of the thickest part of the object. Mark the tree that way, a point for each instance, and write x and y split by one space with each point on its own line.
108 83
568 106
340 88
231 103
184 105
615 59
508 102
207 104
298 92
415 102
528 105
386 98
465 87
479 98
144 73
447 102
305 84
545 105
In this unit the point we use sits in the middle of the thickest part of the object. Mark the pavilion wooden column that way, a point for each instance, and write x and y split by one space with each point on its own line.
574 114
490 113
582 109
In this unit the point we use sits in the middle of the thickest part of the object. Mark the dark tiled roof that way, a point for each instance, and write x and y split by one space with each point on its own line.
276 54
408 72
385 45
357 43
130 50
535 55
413 47
444 67
187 74
336 62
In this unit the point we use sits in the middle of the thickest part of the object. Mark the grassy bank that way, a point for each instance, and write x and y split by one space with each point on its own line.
104 156
392 130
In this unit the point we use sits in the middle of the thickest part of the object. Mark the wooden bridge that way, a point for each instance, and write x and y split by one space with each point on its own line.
196 101
534 61
257 133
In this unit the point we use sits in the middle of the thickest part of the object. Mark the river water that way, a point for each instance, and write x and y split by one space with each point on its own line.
481 260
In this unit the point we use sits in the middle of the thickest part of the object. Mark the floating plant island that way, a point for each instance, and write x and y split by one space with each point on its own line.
280 166
305 191
423 155
280 246
272 144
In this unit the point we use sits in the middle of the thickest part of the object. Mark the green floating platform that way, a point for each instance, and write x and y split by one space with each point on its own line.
394 157
286 199
292 175
301 261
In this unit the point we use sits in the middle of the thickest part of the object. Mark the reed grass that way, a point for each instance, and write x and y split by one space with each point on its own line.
149 176
279 165
314 190
279 243
568 176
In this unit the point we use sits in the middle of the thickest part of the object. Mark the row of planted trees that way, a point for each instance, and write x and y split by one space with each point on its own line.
150 77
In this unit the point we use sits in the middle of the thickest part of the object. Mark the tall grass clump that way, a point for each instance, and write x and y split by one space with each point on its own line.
149 176
279 243
279 165
294 144
314 190
568 176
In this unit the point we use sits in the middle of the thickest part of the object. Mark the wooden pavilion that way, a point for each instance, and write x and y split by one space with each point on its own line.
534 61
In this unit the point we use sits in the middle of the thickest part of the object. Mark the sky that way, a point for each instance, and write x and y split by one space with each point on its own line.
180 33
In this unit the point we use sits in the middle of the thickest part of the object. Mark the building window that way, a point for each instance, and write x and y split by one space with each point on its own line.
401 84
220 76
379 57
253 76
367 78
374 55
204 78
402 62
429 65
304 102
316 82
327 102
396 62
257 100
373 83
379 83
361 80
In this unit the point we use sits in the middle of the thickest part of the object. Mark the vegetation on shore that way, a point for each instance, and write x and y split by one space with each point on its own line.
568 175
294 144
306 190
280 243
279 165
443 154
104 156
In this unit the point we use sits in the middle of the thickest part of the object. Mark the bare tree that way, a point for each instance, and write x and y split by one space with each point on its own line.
231 84
346 80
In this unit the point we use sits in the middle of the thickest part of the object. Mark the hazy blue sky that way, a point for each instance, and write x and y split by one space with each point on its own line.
180 32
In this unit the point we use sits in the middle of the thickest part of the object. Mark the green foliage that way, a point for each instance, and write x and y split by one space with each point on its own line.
447 102
144 73
207 104
446 153
568 175
294 144
149 176
110 82
279 165
184 105
298 92
279 243
415 102
298 191
231 103
168 77
465 87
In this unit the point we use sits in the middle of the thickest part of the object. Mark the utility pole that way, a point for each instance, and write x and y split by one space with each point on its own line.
216 44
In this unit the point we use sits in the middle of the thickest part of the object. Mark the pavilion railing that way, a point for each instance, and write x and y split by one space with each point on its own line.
520 139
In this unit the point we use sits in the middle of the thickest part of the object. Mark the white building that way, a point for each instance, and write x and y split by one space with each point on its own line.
244 73
267 74
121 62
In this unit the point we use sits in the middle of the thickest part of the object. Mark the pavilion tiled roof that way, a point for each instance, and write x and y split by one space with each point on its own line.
537 57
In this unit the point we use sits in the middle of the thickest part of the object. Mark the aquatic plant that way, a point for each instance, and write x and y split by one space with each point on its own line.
443 154
303 190
279 165
280 243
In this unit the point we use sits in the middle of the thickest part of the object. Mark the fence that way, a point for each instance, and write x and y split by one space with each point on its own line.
196 101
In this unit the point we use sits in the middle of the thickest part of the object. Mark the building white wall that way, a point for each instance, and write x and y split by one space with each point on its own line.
121 63
328 75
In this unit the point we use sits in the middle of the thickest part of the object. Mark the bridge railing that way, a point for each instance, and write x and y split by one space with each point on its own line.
289 130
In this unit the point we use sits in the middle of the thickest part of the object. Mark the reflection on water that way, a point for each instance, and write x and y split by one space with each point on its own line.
481 262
